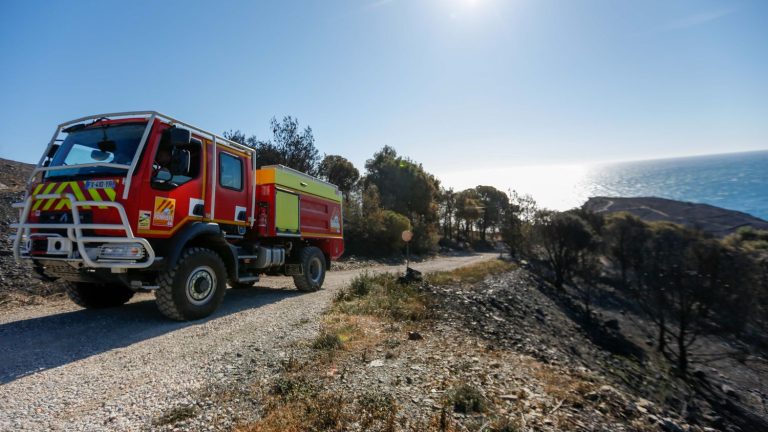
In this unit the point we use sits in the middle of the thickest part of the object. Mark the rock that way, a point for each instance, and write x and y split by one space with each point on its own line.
668 425
607 389
645 403
728 390
376 363
612 324
412 335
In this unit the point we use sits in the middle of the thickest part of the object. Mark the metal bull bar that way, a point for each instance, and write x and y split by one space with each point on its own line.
75 231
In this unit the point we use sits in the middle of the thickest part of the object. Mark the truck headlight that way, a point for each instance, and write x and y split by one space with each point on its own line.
131 251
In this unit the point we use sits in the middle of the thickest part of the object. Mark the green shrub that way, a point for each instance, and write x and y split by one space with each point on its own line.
327 341
383 297
467 399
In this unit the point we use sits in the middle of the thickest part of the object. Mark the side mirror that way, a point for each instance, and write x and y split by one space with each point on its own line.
178 137
107 145
163 175
99 155
180 161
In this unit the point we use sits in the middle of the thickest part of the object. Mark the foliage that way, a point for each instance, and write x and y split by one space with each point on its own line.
406 188
468 210
447 203
289 146
749 238
425 237
372 231
327 341
517 225
339 171
383 297
624 237
467 399
470 274
563 237
493 203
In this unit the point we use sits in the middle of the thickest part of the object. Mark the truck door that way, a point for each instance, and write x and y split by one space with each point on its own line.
233 184
166 205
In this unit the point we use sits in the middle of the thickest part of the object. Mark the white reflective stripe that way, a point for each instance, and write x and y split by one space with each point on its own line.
214 182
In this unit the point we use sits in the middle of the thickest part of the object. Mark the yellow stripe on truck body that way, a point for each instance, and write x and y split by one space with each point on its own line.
73 187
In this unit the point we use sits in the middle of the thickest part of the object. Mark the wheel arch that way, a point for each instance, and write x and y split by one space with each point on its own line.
205 235
321 244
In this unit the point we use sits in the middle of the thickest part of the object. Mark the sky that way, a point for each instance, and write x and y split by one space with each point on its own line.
465 87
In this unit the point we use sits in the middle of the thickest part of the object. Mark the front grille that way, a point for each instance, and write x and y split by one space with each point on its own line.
64 217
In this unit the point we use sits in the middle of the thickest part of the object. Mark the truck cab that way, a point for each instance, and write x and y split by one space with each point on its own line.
140 201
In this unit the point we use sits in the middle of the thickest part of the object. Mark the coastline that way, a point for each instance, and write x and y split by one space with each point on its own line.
711 219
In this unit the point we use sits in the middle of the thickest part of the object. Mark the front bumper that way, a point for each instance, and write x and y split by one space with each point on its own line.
76 248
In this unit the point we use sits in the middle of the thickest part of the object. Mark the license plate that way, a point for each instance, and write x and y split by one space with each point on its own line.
99 184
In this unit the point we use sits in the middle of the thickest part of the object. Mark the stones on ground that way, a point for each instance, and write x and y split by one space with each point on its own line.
376 363
414 336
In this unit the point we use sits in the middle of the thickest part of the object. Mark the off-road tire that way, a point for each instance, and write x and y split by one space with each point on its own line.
312 263
178 287
98 296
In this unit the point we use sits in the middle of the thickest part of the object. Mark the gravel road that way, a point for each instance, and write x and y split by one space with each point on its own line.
65 368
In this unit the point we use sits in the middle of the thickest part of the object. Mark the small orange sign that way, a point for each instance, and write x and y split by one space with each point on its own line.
164 211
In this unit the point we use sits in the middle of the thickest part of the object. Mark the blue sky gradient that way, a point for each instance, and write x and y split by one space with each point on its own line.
454 84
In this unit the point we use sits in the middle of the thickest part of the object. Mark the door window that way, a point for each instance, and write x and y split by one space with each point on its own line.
230 172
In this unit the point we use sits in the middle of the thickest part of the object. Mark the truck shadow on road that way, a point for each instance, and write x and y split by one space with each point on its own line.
38 344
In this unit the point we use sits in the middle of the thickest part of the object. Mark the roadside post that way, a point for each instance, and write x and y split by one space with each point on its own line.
407 236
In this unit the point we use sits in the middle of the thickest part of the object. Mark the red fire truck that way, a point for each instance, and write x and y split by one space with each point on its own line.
139 201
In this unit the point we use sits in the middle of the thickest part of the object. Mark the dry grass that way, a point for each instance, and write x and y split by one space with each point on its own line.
299 406
569 388
383 297
470 274
177 414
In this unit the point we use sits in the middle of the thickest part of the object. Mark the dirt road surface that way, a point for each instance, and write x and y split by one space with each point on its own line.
65 368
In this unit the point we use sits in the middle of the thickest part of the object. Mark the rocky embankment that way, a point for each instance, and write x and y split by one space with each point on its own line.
17 286
714 220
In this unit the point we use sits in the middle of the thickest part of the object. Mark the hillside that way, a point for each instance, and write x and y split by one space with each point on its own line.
13 175
714 220
16 282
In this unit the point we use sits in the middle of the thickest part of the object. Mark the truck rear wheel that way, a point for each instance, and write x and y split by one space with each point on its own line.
194 287
312 263
98 296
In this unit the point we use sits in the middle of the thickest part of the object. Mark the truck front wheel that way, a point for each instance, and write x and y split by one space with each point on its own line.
98 296
194 287
312 263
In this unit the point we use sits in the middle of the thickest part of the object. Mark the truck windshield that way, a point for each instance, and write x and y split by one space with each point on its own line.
115 144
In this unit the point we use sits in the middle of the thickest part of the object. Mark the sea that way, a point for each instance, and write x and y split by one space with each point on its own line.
736 181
